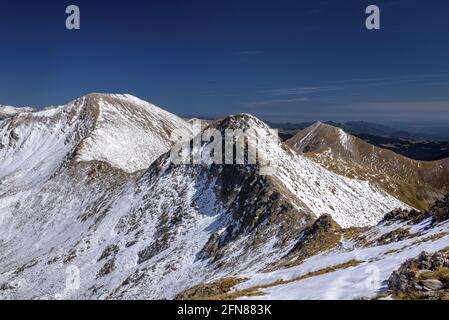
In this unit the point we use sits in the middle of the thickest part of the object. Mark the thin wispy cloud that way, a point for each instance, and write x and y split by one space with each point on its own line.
298 91
386 80
279 101
428 113
350 81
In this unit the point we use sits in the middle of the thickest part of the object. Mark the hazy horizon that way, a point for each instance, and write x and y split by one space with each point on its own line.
401 122
289 61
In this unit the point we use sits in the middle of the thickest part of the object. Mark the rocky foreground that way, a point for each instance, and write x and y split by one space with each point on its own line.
425 277
385 261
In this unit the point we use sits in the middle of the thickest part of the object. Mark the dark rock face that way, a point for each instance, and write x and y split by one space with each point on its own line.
425 277
440 209
324 234
258 208
414 216
107 268
110 250
439 212
394 236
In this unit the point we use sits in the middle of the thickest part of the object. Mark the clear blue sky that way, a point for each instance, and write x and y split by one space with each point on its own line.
282 60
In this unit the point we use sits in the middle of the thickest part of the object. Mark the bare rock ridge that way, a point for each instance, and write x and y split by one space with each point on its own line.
418 183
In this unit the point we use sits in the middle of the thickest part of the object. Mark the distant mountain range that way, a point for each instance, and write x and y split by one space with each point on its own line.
414 149
89 191
370 128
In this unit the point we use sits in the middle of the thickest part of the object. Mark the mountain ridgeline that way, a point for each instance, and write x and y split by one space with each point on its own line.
418 146
89 190
417 183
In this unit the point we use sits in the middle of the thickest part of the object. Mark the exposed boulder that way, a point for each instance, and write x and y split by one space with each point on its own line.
425 277
394 236
431 284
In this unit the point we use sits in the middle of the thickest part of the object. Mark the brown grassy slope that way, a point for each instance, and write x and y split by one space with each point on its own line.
221 289
417 183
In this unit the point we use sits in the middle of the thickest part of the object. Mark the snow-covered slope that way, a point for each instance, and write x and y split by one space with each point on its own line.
122 130
357 264
112 226
8 111
371 262
129 133
57 171
34 145
350 202
65 205
73 206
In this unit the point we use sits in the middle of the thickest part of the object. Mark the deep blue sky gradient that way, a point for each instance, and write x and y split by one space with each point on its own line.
282 60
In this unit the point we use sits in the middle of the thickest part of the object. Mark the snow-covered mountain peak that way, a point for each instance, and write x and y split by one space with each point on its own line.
121 130
310 186
318 133
152 234
122 101
129 133
9 111
251 126
243 121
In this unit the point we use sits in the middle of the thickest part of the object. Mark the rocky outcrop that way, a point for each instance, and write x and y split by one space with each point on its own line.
212 290
324 234
425 277
439 212
413 216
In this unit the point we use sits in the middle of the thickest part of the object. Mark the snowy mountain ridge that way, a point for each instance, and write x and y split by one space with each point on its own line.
350 202
74 196
417 183
8 111
122 130
129 133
